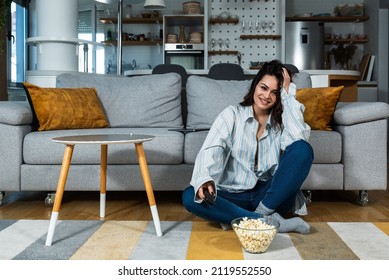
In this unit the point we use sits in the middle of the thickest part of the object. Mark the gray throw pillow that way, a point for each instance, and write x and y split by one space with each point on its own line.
207 98
140 101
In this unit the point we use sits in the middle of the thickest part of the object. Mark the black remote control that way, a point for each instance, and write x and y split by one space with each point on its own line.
210 199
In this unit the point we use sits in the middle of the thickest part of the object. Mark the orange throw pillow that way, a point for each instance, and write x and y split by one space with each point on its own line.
65 108
320 104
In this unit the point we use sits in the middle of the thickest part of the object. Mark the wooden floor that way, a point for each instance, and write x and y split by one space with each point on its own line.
326 206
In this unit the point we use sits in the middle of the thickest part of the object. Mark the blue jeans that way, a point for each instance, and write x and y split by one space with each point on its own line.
278 193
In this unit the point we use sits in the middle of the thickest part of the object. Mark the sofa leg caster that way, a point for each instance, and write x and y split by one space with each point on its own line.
2 194
308 196
49 200
363 197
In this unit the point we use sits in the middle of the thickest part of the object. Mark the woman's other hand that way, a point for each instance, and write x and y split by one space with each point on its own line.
207 185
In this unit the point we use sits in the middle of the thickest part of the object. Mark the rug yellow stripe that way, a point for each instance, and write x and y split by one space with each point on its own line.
322 244
384 226
114 240
209 242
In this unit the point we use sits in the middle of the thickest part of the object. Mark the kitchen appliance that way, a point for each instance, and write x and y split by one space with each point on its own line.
190 56
304 44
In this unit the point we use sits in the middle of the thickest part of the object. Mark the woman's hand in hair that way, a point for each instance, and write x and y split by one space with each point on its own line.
286 79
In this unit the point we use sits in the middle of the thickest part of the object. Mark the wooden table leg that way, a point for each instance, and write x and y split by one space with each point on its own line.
59 193
103 179
148 186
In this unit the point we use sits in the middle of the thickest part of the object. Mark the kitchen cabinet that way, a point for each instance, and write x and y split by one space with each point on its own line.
141 43
185 39
350 83
137 21
191 23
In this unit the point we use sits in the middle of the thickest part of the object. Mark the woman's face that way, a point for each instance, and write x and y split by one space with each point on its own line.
265 94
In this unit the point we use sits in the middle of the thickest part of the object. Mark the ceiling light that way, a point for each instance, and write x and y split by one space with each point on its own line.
105 1
154 4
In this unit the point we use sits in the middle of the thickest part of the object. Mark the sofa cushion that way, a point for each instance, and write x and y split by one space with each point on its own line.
207 98
327 146
320 104
192 146
140 101
166 148
65 108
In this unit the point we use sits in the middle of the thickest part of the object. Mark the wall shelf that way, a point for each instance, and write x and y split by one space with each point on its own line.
344 41
132 20
329 19
135 43
248 37
223 52
34 41
221 21
184 19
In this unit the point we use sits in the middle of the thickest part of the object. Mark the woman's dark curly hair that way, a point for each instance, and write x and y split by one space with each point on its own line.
272 68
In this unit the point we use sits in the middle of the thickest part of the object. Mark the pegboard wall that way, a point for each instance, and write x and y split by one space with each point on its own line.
256 17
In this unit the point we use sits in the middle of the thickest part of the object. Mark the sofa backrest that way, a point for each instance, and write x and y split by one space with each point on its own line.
206 97
140 101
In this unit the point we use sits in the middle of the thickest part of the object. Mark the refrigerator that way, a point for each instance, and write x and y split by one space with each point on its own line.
304 44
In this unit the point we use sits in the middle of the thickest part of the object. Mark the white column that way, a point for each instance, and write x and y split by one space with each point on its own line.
57 20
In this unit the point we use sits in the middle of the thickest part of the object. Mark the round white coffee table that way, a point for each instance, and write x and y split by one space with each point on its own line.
104 140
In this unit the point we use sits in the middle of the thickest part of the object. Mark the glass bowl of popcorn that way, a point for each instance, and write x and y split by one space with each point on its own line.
255 235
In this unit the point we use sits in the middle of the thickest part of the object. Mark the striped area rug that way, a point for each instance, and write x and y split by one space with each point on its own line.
199 240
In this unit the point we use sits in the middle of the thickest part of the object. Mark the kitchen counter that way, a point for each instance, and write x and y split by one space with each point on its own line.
334 78
332 72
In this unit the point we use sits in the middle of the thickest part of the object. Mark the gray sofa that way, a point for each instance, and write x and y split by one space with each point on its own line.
351 157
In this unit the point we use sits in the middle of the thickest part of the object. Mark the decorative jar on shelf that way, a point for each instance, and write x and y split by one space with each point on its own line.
182 38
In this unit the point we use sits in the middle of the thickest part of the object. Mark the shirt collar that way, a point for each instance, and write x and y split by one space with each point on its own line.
249 114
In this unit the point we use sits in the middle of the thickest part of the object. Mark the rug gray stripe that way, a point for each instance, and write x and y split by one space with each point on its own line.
365 239
6 223
15 238
68 237
171 246
282 248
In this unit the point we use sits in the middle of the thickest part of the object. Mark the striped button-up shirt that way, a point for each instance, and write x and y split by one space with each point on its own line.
232 157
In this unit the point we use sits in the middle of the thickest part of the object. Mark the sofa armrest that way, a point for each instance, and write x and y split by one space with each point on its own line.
363 126
15 113
350 113
15 123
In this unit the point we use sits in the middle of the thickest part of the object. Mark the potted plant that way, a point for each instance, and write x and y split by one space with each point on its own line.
343 55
